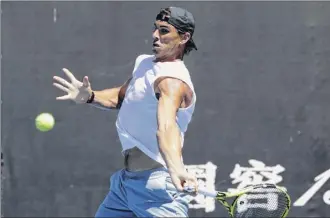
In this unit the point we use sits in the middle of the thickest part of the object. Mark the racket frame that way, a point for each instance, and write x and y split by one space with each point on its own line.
222 196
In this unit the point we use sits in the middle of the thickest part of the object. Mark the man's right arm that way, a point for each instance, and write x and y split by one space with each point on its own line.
110 98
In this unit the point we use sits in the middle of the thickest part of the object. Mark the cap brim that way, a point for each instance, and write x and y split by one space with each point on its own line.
193 43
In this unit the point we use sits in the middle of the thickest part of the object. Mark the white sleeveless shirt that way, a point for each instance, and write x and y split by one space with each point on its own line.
137 118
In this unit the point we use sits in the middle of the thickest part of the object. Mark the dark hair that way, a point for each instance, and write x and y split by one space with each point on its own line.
188 48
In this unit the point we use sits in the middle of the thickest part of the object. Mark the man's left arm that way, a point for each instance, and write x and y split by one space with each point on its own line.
172 92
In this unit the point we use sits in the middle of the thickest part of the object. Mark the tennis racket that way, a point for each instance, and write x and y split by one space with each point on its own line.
261 200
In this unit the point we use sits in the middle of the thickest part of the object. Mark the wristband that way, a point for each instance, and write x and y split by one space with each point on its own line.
91 99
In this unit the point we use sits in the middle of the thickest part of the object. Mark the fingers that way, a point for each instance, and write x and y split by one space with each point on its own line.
177 184
185 183
86 82
191 183
69 74
63 82
61 87
65 97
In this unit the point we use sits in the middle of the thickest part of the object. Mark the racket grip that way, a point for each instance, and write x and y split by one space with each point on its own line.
201 190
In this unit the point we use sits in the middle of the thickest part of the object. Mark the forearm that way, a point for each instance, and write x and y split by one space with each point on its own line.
169 141
107 98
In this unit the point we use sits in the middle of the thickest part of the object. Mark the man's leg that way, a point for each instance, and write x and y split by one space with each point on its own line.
147 195
104 211
115 203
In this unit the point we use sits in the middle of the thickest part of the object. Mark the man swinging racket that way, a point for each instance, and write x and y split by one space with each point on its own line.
155 107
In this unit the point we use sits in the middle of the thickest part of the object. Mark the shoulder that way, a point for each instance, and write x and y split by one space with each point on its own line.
172 76
174 79
176 90
171 67
176 70
142 57
171 88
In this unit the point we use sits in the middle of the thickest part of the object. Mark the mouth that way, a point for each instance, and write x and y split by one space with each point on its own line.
155 45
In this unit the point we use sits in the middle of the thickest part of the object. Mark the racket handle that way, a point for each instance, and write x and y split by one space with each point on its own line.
201 190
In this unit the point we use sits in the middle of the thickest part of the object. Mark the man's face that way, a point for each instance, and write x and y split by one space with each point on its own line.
166 40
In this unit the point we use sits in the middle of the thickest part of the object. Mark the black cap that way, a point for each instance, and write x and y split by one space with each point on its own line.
181 19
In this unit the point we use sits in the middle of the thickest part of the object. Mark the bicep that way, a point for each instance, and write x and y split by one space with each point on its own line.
170 98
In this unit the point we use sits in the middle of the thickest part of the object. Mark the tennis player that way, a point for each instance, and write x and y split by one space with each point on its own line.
155 107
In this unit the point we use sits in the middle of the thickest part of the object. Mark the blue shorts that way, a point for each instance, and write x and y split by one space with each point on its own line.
143 194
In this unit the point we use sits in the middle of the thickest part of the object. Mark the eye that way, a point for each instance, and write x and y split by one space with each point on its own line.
163 31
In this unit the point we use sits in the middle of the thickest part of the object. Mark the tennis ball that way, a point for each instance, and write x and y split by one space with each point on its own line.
45 122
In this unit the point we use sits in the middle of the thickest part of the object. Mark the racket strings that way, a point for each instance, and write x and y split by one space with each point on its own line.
261 202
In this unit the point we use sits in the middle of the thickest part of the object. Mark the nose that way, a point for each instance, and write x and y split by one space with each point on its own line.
155 34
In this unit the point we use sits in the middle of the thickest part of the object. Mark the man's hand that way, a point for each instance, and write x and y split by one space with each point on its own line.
77 91
182 179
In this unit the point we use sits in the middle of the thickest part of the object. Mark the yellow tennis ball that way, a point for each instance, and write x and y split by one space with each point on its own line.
45 122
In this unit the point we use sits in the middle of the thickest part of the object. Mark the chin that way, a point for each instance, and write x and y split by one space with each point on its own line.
156 53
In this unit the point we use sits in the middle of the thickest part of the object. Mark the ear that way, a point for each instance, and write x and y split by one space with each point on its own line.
185 38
